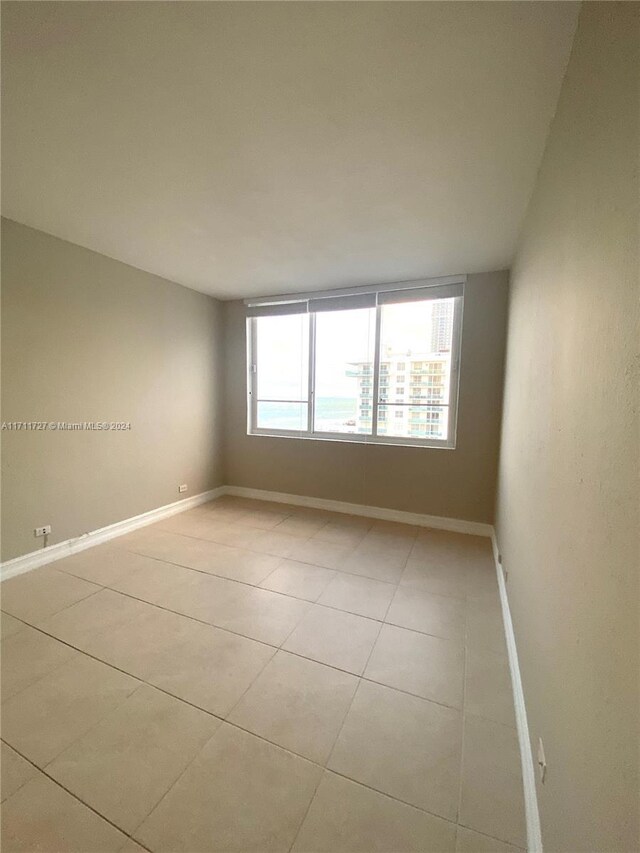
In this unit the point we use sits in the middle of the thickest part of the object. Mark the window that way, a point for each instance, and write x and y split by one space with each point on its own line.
282 386
319 366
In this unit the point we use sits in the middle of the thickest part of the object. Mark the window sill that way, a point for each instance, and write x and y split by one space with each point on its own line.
355 439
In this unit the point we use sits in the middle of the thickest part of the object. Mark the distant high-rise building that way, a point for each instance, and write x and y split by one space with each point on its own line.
413 390
441 325
413 393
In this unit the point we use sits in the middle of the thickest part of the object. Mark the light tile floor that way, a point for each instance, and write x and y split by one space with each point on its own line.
258 677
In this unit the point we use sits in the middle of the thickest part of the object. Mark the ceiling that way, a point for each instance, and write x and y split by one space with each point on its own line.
255 148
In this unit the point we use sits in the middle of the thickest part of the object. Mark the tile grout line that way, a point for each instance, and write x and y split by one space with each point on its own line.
390 796
264 643
361 678
308 809
344 719
205 573
97 722
490 837
66 606
316 600
386 612
337 737
223 720
174 783
462 721
141 683
255 734
162 525
29 625
324 767
275 648
253 681
276 592
462 645
189 763
71 794
24 782
261 553
240 548
111 666
263 530
219 577
39 678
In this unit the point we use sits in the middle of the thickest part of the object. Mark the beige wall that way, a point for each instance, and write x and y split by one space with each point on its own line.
88 338
456 483
567 515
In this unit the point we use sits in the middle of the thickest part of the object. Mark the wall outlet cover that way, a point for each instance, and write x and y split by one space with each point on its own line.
182 488
42 531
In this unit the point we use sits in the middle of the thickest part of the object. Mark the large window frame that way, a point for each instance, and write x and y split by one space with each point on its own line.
310 304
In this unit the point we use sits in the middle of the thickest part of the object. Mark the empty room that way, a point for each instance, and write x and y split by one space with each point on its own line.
320 433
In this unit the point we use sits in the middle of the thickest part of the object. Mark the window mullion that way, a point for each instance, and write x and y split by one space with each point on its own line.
253 372
376 374
454 375
311 406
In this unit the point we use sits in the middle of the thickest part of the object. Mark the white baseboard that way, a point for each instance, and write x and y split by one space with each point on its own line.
532 815
34 559
456 525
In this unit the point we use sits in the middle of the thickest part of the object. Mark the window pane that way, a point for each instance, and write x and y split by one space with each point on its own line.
413 421
283 357
345 345
291 416
415 367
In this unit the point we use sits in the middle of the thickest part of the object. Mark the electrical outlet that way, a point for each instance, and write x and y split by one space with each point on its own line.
182 488
542 761
42 531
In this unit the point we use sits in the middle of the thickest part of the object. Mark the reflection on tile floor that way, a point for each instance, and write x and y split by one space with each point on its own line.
249 676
